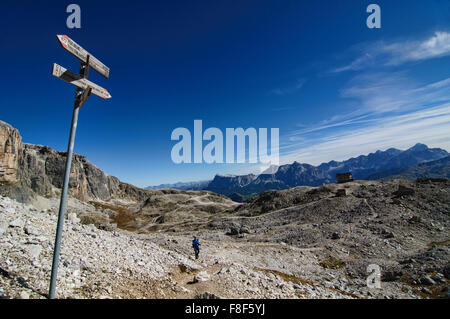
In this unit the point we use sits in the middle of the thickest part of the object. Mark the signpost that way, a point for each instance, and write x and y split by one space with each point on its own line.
84 90
80 53
79 81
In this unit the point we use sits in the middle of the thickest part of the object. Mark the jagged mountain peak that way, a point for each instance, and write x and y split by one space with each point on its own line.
419 147
301 174
379 163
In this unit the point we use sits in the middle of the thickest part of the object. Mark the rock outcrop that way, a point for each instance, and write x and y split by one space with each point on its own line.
10 144
39 169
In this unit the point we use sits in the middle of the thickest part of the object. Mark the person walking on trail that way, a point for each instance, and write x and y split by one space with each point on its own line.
196 246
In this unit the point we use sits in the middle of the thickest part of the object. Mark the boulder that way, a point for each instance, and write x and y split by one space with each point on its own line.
31 230
341 192
202 276
234 230
446 271
244 230
33 250
392 275
426 291
426 280
415 219
73 218
17 223
335 236
403 191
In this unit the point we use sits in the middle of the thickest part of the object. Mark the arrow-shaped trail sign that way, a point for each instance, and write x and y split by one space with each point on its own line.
73 47
78 81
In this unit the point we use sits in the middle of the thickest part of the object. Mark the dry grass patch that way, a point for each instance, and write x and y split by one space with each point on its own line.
123 217
438 243
286 277
332 263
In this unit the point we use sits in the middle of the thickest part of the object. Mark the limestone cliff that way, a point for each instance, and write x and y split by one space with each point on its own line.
10 144
40 169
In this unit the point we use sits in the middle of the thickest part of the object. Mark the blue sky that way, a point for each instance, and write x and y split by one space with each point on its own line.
335 88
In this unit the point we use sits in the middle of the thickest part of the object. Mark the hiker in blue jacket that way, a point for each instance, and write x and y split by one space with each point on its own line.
196 246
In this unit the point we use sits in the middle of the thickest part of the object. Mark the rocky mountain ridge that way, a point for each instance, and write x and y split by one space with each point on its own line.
369 167
298 174
27 170
433 169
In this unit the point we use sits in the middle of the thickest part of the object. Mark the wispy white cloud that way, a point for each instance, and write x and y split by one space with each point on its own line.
436 46
394 91
361 62
429 126
343 121
393 112
387 108
290 89
396 53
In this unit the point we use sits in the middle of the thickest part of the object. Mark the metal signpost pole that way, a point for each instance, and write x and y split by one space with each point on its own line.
84 90
62 204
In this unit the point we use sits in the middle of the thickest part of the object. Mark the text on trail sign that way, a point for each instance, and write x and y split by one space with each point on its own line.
80 53
77 80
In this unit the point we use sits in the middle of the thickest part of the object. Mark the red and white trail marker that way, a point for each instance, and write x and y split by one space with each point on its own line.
80 53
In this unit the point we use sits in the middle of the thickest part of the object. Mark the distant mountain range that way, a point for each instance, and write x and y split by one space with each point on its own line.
434 169
417 161
199 185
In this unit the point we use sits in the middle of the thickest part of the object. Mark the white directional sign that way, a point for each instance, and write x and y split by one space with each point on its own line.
78 81
71 46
